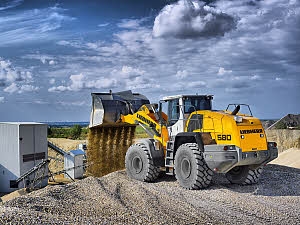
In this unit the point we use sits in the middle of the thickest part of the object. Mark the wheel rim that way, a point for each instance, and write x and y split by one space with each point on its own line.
186 168
137 164
236 170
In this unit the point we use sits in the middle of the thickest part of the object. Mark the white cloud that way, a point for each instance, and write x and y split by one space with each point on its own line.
28 88
91 45
52 62
128 72
102 82
130 24
103 24
11 4
80 82
63 42
77 82
232 83
45 59
2 99
191 19
255 77
58 89
14 88
10 74
133 41
181 74
76 103
195 84
39 102
222 71
31 25
278 79
142 83
187 86
73 43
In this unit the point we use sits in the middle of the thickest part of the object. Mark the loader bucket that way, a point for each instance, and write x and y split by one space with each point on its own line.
108 107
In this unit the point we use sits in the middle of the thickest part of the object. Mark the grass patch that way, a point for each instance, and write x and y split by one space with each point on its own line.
140 133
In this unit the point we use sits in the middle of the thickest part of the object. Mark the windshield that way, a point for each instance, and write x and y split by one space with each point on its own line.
240 109
195 103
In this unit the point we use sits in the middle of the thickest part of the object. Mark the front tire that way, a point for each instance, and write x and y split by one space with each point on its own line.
244 175
191 170
139 165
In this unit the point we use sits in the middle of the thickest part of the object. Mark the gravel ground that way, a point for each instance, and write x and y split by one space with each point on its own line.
115 199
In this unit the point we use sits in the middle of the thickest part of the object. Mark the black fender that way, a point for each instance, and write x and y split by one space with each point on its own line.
157 155
188 137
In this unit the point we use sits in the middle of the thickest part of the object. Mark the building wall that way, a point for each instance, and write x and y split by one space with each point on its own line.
22 146
9 155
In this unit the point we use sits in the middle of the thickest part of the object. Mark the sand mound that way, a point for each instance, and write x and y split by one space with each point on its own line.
290 157
66 144
284 138
116 199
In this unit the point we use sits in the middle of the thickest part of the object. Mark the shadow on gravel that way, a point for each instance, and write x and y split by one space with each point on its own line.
165 178
275 180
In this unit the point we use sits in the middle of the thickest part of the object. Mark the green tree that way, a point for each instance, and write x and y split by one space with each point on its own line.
49 132
75 132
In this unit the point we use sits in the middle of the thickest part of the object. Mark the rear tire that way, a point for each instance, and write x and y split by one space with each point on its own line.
139 165
191 170
244 175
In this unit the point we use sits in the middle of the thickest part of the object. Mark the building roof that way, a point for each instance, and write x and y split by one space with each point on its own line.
22 123
76 152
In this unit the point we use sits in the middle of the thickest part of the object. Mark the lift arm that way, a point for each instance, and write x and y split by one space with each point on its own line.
152 122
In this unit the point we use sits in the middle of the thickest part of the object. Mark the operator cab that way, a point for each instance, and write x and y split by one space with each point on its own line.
181 106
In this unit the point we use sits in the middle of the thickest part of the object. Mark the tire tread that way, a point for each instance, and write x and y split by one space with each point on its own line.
204 174
152 171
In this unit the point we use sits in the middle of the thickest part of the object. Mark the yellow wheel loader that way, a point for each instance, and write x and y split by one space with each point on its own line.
191 140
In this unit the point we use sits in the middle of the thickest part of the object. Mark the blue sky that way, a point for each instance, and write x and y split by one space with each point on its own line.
53 54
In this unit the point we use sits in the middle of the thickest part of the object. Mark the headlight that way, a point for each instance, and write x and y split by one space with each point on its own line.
238 119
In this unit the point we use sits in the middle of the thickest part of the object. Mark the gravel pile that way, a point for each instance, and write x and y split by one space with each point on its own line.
115 199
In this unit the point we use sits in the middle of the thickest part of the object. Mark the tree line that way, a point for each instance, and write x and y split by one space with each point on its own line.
74 132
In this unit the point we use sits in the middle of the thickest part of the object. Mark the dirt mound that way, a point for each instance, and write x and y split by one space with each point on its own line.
66 144
116 199
284 138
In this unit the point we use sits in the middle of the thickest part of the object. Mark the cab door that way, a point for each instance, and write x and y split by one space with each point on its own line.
175 117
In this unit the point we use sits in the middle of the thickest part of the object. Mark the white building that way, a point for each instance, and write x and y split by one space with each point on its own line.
23 145
74 164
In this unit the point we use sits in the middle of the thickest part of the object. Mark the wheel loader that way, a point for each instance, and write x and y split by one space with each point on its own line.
191 140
